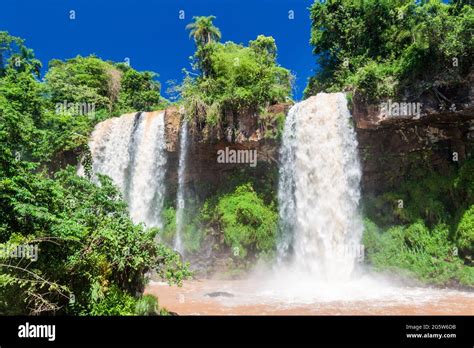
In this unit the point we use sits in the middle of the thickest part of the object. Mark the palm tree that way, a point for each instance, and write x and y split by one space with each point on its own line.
203 31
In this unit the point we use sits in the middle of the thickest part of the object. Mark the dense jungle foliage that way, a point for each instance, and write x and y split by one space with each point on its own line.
391 48
91 259
232 79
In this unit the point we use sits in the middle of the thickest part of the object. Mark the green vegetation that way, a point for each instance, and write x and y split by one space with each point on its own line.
425 228
465 234
242 192
272 125
91 259
168 232
193 234
82 79
41 121
232 79
427 195
247 223
415 250
139 91
114 87
387 48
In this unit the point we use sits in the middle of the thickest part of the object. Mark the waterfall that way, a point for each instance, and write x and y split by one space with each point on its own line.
131 150
181 196
319 189
286 190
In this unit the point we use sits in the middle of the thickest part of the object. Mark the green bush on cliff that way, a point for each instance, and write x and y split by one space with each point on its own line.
248 224
234 79
465 234
193 237
147 305
415 250
168 232
192 234
82 80
425 194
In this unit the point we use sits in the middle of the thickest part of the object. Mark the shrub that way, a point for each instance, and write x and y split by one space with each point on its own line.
115 302
465 233
247 223
89 247
146 305
92 259
425 195
428 255
168 232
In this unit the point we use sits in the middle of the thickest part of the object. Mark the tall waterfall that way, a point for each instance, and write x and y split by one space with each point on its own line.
181 197
319 189
131 150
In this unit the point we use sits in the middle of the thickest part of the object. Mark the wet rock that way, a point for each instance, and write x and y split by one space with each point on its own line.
390 148
219 294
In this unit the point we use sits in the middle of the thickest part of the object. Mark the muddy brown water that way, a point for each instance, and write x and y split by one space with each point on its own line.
247 297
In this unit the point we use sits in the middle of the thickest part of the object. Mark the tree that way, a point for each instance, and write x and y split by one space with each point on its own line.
235 79
111 87
92 258
203 30
14 54
264 45
80 80
139 91
389 48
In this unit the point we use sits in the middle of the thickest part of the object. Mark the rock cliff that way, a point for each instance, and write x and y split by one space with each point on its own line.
389 146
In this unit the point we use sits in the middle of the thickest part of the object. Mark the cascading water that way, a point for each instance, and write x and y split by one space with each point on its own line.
286 186
131 150
181 197
319 189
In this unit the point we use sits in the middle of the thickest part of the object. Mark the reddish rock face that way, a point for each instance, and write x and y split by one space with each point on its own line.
204 175
391 146
172 126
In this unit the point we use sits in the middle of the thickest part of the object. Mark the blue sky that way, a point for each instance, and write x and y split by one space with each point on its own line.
151 34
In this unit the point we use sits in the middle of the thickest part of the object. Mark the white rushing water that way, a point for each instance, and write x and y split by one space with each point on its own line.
319 190
131 150
181 193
